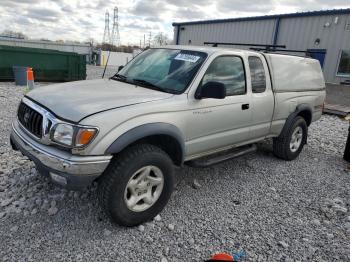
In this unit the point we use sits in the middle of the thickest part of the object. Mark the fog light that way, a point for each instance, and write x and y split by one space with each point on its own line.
58 179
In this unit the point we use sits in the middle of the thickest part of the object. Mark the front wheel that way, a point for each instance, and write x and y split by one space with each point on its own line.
137 184
291 141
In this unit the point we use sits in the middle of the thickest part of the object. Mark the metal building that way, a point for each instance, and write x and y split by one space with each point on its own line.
325 33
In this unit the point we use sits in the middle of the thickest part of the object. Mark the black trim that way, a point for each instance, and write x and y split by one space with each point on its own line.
144 131
267 17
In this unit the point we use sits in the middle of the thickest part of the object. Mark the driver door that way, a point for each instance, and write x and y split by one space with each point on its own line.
217 123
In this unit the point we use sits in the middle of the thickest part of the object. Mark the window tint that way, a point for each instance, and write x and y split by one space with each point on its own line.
257 74
228 70
344 64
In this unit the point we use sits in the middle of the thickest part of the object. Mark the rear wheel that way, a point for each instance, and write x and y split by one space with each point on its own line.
137 184
291 141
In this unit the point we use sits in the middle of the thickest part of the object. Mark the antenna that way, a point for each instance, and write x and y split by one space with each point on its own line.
106 34
115 30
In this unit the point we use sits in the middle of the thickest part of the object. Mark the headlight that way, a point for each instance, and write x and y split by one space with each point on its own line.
63 134
72 135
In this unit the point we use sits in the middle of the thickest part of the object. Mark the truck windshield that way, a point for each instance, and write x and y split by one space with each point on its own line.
166 70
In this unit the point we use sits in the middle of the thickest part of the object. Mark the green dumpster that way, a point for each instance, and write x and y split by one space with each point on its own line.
48 65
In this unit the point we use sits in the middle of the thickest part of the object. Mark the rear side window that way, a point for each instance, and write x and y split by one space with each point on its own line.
257 74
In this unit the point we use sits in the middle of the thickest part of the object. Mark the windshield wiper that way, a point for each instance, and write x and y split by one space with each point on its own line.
145 83
118 77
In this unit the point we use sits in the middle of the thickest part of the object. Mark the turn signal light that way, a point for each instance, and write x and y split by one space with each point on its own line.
84 136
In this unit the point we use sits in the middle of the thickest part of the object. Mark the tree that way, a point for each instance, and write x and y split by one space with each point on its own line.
113 48
14 34
160 39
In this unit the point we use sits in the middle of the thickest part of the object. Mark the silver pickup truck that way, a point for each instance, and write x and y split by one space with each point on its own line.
167 107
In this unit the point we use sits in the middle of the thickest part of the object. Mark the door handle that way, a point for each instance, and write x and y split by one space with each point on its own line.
245 106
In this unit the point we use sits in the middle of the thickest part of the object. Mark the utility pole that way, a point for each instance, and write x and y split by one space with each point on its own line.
149 39
144 40
115 31
106 34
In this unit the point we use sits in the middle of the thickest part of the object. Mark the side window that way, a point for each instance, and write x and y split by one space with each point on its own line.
344 63
257 74
228 70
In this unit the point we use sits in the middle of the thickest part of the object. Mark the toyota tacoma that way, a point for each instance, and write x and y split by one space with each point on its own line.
167 107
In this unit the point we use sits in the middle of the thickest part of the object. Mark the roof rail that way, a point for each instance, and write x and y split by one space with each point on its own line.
284 50
267 47
307 53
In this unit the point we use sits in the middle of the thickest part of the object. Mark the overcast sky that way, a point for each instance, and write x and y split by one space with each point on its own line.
84 19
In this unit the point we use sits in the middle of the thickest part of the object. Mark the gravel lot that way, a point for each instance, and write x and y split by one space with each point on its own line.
271 209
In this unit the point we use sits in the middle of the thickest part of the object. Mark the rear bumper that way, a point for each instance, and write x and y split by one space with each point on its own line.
63 168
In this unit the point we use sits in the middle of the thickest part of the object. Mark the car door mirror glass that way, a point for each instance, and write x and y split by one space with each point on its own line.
214 90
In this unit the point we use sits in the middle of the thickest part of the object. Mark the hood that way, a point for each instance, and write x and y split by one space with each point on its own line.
76 100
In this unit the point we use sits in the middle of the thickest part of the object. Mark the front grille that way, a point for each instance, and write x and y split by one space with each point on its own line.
30 119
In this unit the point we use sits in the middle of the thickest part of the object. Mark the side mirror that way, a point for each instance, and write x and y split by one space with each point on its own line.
214 90
120 68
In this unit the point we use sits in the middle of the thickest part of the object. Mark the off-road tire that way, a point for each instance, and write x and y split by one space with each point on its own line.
115 178
281 144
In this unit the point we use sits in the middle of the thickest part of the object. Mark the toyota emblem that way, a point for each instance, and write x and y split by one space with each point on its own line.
26 117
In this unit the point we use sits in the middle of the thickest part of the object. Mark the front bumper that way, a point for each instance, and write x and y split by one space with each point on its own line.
62 167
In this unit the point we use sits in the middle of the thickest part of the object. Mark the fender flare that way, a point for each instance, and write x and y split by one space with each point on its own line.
146 130
300 108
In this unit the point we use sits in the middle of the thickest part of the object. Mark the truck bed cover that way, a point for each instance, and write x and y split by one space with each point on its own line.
295 74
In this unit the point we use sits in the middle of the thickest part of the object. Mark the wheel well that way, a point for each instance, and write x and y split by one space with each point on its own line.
307 115
167 143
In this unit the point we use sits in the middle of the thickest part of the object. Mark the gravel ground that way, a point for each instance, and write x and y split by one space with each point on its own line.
257 205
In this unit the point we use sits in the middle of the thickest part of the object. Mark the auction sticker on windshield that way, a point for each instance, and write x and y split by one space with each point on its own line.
187 57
